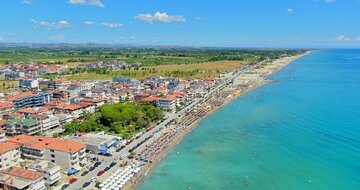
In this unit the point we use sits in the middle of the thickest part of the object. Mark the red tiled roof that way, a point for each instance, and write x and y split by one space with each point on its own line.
22 173
27 110
20 95
5 105
178 94
142 95
40 143
7 146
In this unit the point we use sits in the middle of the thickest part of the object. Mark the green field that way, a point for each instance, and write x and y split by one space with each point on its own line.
155 61
196 70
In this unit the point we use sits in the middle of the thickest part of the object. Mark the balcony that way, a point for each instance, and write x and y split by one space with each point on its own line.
33 156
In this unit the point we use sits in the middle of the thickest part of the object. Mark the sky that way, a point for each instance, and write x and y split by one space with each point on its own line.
221 23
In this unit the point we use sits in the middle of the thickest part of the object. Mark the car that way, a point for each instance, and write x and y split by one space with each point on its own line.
66 185
72 180
112 164
86 184
97 164
92 168
93 179
84 173
118 150
107 154
100 173
107 168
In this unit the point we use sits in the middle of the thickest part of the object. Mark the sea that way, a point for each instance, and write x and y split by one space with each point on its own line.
300 132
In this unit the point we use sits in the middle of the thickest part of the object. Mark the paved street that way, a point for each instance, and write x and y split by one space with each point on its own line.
125 151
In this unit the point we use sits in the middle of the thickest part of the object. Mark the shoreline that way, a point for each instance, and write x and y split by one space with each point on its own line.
147 168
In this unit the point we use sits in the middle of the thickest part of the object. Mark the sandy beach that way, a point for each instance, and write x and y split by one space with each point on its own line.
172 135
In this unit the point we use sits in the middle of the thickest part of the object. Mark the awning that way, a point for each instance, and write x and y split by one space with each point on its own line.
103 151
72 171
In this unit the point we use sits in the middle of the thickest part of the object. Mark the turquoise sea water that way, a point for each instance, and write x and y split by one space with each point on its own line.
300 133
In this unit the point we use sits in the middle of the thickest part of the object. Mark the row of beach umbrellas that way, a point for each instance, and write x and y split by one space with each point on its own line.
119 178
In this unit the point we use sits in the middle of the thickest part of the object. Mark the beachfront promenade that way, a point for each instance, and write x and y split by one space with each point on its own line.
166 133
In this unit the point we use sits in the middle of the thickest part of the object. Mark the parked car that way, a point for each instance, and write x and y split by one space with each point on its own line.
100 173
66 185
112 164
92 168
84 173
86 184
93 179
72 180
97 164
107 168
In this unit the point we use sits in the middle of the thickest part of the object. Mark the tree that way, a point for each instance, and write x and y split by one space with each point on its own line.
45 88
56 135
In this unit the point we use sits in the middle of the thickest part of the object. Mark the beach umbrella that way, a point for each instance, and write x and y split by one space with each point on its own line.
122 183
131 175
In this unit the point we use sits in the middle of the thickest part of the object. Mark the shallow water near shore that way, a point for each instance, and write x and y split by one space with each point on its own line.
302 132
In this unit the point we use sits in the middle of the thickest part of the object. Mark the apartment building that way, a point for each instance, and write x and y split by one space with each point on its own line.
23 125
65 153
2 133
166 103
6 108
28 83
9 154
48 122
51 171
15 178
29 99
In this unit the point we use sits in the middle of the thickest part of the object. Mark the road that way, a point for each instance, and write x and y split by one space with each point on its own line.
125 151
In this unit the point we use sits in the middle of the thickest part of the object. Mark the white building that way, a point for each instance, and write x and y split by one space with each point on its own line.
50 170
65 153
9 154
28 83
15 178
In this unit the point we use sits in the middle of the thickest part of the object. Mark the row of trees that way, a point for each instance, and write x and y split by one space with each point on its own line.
124 119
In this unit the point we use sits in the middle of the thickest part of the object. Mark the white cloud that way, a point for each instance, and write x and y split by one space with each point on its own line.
342 38
27 2
357 39
88 23
57 38
87 2
159 17
112 25
1 39
50 25
290 10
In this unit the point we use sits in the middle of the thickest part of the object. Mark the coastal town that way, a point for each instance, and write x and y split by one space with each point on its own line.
38 152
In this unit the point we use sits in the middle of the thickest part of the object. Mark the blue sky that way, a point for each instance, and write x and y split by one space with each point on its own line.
231 23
